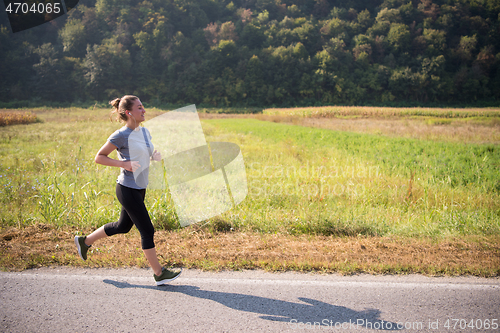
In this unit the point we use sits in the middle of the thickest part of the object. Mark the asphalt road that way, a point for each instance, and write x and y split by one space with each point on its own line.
126 300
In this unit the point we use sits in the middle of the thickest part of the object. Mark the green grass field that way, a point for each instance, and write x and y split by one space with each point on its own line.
321 181
302 180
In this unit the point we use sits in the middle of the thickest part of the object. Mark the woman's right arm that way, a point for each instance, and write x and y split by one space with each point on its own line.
102 158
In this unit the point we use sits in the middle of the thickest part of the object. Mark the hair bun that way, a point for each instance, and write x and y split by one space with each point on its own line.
115 103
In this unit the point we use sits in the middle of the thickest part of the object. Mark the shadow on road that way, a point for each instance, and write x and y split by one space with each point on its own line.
309 313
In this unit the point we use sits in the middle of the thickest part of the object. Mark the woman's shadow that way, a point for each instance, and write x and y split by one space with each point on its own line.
307 312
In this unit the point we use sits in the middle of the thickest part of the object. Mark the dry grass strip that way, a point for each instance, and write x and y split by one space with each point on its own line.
451 130
371 111
17 117
42 245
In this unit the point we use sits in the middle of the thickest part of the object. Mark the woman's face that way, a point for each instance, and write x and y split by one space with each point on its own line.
137 111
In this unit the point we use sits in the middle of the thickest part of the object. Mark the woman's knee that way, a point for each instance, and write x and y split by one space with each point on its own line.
114 228
123 229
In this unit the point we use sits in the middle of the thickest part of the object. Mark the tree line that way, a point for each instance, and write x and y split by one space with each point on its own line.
259 52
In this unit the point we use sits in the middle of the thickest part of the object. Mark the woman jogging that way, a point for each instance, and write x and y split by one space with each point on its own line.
130 110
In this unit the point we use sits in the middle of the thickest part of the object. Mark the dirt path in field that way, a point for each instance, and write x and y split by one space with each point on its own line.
43 245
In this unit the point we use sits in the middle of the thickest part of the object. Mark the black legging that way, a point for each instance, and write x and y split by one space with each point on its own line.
133 212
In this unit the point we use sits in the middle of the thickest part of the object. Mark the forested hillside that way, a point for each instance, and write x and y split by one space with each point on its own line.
260 52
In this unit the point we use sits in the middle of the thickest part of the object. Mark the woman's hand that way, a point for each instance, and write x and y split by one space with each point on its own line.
131 165
156 156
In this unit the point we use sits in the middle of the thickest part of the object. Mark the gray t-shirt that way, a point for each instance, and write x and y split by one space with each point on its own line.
120 138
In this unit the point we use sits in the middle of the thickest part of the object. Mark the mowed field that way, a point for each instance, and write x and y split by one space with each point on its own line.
345 189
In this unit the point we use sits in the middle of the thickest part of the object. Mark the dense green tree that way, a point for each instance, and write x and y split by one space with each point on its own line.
399 37
107 70
16 66
252 36
49 78
73 37
260 52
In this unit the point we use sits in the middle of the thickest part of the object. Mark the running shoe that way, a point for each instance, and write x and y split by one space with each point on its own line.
81 246
167 275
